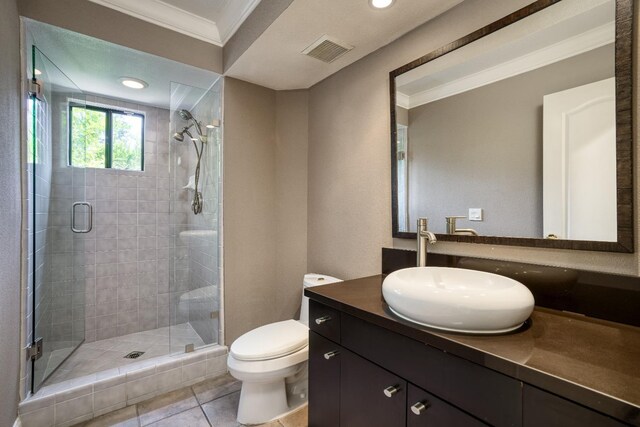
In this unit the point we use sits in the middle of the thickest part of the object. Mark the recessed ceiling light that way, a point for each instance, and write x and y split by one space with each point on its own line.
37 72
381 4
132 83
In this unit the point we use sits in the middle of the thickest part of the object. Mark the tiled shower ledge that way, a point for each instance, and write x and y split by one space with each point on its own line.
81 399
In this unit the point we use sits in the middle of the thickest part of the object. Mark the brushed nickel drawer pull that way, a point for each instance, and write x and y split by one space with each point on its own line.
321 320
331 354
419 407
390 391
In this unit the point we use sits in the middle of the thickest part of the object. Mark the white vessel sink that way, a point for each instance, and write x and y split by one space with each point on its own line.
458 300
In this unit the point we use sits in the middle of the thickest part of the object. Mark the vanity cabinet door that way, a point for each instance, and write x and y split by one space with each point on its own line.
426 410
548 410
369 395
324 382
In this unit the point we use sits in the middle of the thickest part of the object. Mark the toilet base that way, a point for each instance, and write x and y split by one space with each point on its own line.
262 402
265 398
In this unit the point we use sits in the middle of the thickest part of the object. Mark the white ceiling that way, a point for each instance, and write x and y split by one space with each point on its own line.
95 66
213 21
274 60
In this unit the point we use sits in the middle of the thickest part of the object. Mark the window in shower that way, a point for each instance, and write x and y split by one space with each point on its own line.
106 138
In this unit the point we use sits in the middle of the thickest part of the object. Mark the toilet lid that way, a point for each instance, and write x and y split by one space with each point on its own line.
271 341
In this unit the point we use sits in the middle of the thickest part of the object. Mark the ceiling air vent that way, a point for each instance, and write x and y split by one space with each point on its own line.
327 49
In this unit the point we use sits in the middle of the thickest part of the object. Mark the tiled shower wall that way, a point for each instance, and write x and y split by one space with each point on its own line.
126 255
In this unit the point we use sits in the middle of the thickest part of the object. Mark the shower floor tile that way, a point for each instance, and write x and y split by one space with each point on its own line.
110 353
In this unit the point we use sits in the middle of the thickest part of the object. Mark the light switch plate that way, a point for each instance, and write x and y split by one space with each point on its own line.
475 214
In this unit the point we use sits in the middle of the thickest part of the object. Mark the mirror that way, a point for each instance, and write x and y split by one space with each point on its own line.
520 133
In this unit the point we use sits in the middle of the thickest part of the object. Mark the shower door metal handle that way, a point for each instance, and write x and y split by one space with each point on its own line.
73 218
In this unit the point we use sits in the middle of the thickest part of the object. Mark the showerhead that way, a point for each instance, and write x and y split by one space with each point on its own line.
179 136
186 115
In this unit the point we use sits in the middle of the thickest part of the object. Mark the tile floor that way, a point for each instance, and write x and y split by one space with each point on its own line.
212 403
106 354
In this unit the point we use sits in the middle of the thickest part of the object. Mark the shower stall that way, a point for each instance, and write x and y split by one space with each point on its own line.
124 260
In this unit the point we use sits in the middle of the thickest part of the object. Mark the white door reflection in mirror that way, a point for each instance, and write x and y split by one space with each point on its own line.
403 184
579 163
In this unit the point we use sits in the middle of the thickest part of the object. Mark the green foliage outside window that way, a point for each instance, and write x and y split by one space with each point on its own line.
126 144
104 138
88 137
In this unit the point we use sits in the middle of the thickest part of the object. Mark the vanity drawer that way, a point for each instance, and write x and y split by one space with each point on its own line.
426 410
324 320
488 395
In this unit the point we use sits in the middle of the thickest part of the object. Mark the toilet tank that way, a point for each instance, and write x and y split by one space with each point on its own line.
310 280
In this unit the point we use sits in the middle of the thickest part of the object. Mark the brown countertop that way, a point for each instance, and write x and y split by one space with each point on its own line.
592 362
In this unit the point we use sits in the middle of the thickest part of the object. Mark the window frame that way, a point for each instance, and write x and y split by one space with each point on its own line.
108 130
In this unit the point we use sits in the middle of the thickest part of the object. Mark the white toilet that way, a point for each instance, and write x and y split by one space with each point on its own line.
271 362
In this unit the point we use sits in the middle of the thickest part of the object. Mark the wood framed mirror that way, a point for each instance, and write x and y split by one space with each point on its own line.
523 129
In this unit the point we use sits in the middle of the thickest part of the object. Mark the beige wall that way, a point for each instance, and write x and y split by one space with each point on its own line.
107 24
292 118
264 205
10 210
249 207
349 160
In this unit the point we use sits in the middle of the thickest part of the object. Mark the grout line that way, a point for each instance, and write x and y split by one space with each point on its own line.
205 415
137 414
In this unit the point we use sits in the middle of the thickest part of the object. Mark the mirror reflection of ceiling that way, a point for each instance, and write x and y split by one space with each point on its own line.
554 34
96 66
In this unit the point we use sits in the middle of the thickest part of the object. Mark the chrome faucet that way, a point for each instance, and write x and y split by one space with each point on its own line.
451 226
424 236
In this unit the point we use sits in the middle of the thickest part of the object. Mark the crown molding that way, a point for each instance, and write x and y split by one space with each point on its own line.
581 43
403 100
234 14
168 16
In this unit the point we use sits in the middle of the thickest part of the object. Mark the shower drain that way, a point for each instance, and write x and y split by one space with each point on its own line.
134 355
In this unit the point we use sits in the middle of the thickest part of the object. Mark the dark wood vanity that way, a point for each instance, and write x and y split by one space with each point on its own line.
369 368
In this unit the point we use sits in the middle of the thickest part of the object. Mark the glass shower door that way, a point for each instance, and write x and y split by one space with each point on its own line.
60 221
195 162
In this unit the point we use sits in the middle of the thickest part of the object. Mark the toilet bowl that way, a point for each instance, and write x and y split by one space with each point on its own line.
271 362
